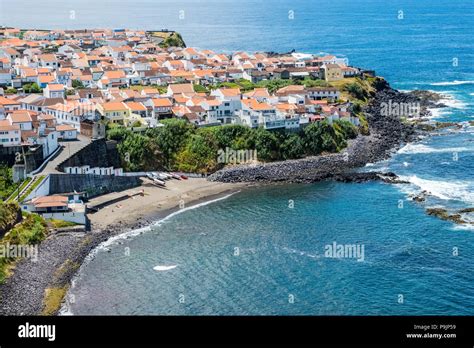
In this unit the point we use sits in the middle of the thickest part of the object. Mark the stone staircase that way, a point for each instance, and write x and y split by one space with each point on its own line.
33 182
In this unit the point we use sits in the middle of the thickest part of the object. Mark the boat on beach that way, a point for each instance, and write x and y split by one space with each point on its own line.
175 176
155 180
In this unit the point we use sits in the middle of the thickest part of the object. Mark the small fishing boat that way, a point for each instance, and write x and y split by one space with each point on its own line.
159 182
175 176
161 176
166 175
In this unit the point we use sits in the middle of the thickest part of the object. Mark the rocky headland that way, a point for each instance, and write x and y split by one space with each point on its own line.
386 134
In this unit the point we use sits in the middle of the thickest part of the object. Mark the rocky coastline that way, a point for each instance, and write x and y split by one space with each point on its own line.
386 134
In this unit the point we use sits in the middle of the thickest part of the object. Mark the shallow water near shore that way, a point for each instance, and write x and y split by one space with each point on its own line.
251 253
409 257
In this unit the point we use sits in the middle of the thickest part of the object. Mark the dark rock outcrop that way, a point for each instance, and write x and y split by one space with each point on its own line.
386 133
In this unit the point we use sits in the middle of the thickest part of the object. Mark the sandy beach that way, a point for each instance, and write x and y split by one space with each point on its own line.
154 202
38 288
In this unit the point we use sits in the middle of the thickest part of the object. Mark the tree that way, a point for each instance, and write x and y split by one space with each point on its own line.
232 136
292 147
136 124
266 144
321 136
117 133
32 88
77 84
347 129
312 138
171 138
140 153
200 89
197 156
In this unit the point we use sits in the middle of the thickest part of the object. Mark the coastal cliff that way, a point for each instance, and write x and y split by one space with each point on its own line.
386 133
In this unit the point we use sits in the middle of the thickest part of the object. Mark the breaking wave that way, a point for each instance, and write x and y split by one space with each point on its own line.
453 83
452 190
420 148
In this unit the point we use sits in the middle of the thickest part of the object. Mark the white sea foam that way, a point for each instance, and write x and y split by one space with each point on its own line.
453 83
66 309
438 112
454 103
421 148
445 190
464 227
164 268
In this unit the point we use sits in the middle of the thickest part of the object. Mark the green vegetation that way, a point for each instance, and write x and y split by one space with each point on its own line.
272 85
32 88
138 152
60 223
355 89
173 40
77 84
68 266
55 294
11 91
200 89
7 186
9 213
161 89
51 49
23 185
53 298
179 145
35 184
32 230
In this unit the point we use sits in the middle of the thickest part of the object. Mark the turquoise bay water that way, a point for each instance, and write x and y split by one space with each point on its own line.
281 255
281 250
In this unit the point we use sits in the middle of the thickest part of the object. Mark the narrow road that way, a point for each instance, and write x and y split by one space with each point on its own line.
68 149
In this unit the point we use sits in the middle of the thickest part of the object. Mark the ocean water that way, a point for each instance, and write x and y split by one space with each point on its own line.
253 254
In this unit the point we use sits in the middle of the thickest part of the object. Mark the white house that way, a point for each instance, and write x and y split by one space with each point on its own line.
47 61
9 134
22 119
8 105
54 91
231 102
47 138
318 93
66 132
